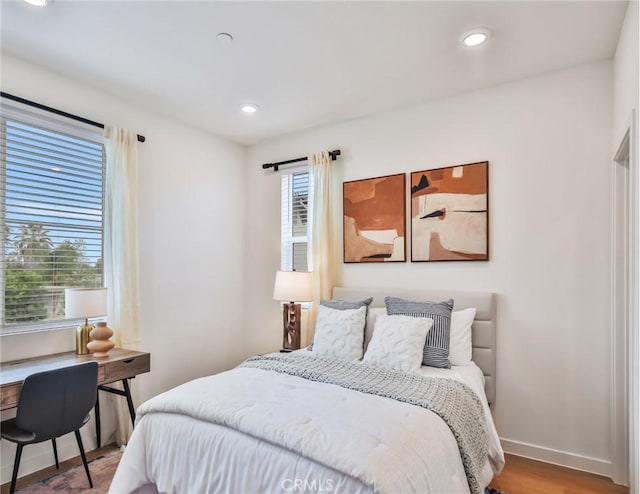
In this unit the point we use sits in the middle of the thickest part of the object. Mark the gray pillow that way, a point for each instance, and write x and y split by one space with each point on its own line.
346 305
436 347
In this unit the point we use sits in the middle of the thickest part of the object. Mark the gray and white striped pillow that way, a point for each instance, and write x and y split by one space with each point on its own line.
436 347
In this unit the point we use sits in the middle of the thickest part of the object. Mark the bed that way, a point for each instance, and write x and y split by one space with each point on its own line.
303 423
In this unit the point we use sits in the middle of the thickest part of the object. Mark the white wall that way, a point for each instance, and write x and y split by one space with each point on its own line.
548 141
191 234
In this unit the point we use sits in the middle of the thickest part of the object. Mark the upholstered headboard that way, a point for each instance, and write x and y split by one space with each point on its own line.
483 328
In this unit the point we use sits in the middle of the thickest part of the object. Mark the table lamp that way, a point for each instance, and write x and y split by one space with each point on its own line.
84 303
291 287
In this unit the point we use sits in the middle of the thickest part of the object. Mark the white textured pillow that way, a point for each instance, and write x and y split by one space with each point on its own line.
460 346
339 333
398 342
371 322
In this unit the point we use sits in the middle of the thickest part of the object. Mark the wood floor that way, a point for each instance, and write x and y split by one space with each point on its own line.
32 478
524 476
520 476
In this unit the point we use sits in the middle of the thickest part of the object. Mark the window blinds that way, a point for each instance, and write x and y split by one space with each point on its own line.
51 207
294 215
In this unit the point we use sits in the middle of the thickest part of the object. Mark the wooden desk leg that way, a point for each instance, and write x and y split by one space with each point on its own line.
132 411
97 417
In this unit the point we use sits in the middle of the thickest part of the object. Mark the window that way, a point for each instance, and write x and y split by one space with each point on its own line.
295 210
51 205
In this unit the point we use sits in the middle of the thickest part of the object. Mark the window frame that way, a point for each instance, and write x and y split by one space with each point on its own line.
284 266
287 237
14 111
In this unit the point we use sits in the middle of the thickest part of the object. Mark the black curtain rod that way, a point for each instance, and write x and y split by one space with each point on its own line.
58 112
334 154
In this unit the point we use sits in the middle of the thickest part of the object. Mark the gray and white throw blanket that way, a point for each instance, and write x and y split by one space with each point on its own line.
451 400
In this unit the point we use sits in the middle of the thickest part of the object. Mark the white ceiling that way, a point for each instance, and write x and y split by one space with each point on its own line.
304 63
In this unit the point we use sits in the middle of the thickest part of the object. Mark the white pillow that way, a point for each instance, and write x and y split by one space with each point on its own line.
398 342
371 321
339 333
460 346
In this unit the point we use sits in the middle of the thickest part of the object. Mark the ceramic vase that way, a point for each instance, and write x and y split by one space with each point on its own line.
100 344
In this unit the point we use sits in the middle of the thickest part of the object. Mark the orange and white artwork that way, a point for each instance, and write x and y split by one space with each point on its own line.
374 219
450 213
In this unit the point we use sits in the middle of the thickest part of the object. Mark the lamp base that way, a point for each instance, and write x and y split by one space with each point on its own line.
82 338
291 329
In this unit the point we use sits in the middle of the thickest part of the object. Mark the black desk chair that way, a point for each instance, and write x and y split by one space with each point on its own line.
52 404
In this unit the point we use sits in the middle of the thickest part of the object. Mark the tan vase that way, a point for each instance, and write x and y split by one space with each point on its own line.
100 344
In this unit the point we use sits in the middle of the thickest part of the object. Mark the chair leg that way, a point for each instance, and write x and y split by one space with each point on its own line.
55 452
97 417
84 458
16 465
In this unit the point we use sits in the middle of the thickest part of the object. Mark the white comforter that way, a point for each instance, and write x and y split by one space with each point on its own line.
254 431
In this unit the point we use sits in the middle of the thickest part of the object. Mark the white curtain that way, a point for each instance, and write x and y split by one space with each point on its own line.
121 249
320 248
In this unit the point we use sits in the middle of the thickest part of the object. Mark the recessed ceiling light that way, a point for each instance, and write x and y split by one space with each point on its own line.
475 37
249 108
224 38
37 3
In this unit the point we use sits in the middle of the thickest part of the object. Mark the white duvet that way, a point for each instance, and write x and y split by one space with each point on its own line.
254 431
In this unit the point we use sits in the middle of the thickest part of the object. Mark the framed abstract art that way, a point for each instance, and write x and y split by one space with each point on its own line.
450 213
374 211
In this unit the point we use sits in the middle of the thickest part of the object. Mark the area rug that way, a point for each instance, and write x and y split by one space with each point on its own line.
75 480
102 470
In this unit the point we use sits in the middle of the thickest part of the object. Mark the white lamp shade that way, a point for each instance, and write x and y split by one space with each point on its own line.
85 302
293 286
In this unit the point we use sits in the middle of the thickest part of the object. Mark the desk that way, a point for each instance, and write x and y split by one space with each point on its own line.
120 365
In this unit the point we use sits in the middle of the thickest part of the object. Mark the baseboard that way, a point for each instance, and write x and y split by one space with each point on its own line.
561 458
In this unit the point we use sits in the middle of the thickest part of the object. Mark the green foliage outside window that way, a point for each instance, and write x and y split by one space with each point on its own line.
37 272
